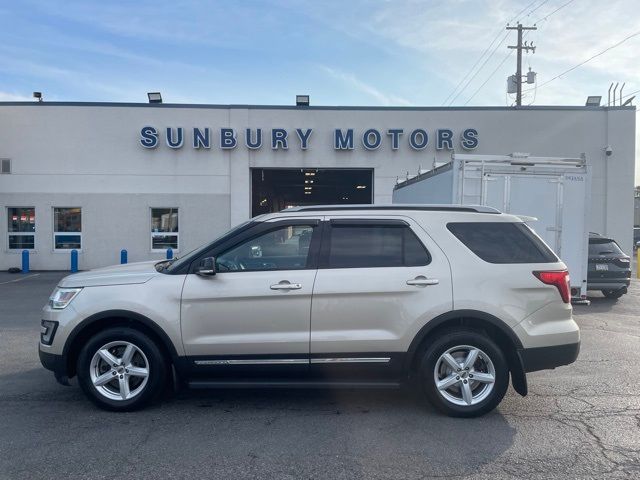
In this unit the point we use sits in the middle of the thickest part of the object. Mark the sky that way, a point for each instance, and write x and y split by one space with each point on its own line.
348 52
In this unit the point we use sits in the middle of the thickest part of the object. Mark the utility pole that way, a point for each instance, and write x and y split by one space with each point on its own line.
519 47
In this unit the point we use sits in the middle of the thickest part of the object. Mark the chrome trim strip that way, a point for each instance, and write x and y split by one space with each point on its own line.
352 360
292 361
255 361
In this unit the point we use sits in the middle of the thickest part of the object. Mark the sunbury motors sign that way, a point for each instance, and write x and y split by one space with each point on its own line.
302 138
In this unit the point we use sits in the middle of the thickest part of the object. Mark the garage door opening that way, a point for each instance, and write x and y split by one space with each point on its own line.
274 189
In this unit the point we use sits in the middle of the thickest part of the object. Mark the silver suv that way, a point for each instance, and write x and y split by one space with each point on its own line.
452 299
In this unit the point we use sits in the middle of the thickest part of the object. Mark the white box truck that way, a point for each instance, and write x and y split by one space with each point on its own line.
553 190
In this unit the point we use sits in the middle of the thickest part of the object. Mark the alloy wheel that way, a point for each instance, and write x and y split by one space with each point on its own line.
464 375
119 370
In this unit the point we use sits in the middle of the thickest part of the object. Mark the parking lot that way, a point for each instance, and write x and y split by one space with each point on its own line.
578 421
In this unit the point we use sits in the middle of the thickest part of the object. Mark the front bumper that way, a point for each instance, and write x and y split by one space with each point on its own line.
545 358
56 363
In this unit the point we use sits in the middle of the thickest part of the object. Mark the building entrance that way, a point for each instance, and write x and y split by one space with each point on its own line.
274 189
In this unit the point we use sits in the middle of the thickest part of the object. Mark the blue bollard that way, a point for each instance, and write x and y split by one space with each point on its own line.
74 261
169 253
25 261
123 256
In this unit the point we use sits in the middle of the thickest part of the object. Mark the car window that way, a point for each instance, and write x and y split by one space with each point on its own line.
362 246
184 260
501 242
284 248
603 246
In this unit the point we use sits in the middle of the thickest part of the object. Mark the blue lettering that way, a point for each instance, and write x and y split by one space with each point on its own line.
445 137
343 142
469 139
419 139
200 139
178 141
304 137
250 143
227 138
149 137
395 137
279 137
366 139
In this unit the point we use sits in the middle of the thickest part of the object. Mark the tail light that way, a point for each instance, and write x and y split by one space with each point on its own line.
558 278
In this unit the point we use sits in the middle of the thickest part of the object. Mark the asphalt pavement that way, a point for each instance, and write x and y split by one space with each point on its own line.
578 421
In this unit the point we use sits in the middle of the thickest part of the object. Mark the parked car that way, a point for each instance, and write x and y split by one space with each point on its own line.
454 300
609 267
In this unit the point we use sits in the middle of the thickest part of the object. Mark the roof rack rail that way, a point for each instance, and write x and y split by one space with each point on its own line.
425 207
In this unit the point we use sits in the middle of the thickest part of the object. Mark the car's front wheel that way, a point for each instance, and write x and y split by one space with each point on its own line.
464 373
121 369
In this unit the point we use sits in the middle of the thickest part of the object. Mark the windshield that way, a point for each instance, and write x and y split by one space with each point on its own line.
175 264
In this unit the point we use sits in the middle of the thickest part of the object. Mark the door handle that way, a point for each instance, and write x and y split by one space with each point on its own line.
285 285
422 281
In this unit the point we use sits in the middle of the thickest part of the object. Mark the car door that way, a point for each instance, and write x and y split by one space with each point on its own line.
379 281
255 310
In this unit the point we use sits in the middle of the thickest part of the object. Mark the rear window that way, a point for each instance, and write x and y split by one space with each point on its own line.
604 246
500 242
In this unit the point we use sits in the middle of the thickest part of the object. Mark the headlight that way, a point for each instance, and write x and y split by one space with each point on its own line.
61 297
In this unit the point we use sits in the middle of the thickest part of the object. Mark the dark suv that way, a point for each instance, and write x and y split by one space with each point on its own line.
609 267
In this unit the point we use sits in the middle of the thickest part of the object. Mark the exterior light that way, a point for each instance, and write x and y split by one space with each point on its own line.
307 188
154 97
593 101
38 95
307 193
309 174
361 187
302 100
308 181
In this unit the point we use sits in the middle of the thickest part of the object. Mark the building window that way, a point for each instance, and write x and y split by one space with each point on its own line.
21 228
67 228
164 228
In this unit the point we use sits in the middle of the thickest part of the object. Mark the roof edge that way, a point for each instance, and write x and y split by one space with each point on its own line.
302 108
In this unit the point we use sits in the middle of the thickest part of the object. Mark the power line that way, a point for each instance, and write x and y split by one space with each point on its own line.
588 59
542 19
545 1
490 75
480 69
472 67
629 94
517 15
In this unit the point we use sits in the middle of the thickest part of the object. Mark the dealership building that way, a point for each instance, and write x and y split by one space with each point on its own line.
102 177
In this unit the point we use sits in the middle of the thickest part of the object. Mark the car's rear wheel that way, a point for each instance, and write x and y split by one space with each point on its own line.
121 369
464 373
613 293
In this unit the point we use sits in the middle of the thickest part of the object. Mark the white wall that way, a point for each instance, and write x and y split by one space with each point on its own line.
90 156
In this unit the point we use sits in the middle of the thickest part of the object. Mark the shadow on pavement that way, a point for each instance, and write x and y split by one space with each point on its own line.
361 433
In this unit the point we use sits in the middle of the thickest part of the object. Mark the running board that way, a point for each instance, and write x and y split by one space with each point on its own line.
206 384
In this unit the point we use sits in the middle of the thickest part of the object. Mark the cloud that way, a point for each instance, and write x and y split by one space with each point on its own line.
14 97
362 87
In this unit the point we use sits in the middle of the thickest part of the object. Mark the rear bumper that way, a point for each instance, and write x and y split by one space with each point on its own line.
545 358
55 363
608 284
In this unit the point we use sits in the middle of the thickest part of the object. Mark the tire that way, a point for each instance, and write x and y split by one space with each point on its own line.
613 294
479 396
118 388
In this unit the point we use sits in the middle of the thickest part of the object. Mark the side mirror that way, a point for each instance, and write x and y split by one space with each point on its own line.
207 267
